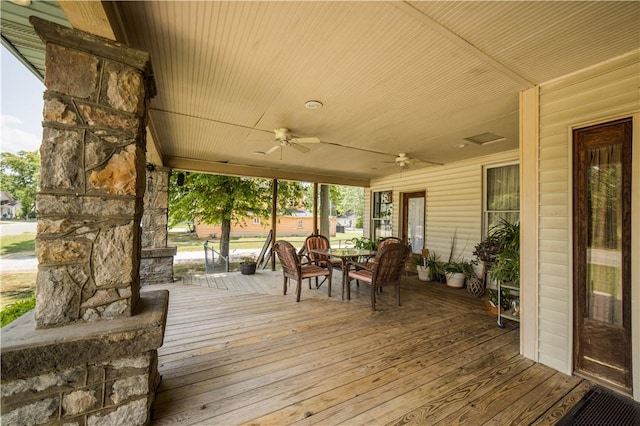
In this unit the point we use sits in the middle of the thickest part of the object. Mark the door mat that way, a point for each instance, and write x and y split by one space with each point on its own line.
602 407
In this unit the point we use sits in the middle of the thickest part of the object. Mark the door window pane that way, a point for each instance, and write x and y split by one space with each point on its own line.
604 244
415 225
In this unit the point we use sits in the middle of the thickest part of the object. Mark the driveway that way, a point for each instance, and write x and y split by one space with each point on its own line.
10 227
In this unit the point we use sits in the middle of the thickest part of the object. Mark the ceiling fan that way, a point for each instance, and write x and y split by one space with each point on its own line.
404 161
283 138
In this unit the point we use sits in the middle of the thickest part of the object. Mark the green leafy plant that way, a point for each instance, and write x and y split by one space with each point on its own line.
504 299
460 267
507 259
16 310
365 243
436 266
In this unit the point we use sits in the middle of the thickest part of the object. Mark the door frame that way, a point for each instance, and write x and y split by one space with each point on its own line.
635 242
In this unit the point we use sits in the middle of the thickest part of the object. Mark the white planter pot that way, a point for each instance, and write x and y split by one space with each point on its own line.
491 283
455 280
424 274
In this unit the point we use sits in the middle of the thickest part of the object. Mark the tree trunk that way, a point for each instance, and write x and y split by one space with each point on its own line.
224 240
324 211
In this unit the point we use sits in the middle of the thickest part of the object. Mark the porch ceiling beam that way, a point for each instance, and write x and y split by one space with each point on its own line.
192 165
411 10
90 17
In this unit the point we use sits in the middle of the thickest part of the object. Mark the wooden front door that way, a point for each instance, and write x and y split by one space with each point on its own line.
413 220
601 257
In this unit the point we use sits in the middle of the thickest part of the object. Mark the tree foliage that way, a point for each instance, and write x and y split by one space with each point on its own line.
351 200
223 200
344 199
20 173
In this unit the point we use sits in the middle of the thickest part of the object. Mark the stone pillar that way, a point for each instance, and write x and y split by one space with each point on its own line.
92 179
89 354
156 265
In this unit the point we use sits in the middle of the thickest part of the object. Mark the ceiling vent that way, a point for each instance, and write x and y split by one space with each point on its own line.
485 139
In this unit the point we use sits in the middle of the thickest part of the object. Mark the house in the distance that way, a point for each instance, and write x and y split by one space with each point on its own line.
8 206
295 223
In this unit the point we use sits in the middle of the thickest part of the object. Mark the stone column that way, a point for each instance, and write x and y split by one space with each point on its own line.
156 264
92 178
85 358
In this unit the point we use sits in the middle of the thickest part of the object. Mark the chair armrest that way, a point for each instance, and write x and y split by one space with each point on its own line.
358 265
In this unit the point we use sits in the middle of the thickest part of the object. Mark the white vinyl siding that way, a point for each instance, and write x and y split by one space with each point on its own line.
453 201
598 94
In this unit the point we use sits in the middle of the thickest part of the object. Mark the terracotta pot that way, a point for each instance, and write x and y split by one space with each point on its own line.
493 310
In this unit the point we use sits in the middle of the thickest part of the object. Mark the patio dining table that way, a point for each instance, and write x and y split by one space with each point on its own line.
345 255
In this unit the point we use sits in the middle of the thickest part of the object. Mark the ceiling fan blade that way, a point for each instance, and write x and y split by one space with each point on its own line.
306 140
273 149
299 147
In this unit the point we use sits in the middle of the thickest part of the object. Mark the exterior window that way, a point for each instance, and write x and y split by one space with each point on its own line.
299 224
502 196
382 212
256 221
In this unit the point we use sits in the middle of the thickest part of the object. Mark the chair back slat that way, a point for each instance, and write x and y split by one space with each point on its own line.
316 242
389 263
288 258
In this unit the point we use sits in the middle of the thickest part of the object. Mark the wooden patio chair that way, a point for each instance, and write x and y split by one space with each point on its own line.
367 262
385 270
294 268
314 242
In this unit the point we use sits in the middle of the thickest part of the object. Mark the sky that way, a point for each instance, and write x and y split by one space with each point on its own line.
20 106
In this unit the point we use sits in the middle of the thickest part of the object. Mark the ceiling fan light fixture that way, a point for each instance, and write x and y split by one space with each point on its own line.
485 139
313 104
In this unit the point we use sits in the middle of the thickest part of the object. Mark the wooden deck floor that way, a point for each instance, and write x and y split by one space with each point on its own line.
236 351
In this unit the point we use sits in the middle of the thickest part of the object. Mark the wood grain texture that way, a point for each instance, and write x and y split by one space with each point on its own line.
237 351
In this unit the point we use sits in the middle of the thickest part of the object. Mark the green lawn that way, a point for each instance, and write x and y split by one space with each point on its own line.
11 244
189 241
16 287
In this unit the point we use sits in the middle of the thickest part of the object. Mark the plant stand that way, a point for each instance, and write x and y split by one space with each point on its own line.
512 314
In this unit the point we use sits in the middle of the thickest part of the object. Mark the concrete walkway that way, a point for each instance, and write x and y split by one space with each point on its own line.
29 263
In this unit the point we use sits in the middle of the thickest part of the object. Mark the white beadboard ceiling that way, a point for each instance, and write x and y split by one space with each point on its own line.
412 77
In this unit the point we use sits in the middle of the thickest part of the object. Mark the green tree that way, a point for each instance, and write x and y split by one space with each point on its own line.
351 200
19 175
224 200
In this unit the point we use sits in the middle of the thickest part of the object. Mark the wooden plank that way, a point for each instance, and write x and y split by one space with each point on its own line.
247 354
528 407
564 405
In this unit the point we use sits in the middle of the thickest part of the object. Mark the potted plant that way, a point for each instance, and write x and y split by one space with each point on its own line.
457 271
422 266
248 265
492 301
486 251
365 243
436 268
506 266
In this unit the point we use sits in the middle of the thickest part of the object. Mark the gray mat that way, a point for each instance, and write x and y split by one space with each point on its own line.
601 407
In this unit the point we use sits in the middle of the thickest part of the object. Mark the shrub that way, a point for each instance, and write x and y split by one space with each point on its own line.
16 310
